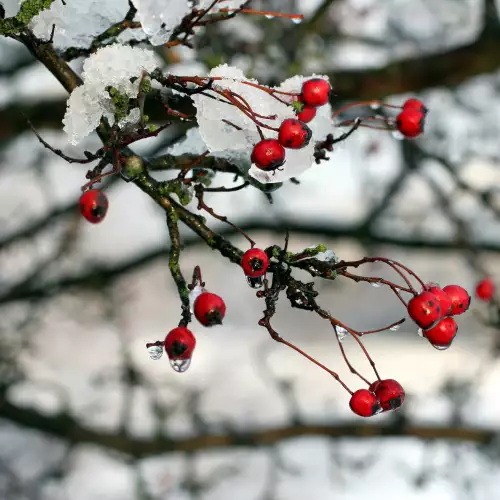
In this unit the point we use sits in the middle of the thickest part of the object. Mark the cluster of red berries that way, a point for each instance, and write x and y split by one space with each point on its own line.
485 289
93 205
381 396
432 311
269 154
410 122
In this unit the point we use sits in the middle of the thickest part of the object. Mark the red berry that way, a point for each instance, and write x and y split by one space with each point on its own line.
364 403
307 114
209 309
460 299
179 343
410 122
315 92
294 134
390 394
93 205
443 299
485 289
254 262
442 334
424 310
268 154
416 104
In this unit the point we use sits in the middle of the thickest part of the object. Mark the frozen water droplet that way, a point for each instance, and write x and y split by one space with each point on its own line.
341 333
376 285
375 105
394 328
269 16
420 332
440 347
255 282
180 365
155 352
398 135
194 294
297 20
397 289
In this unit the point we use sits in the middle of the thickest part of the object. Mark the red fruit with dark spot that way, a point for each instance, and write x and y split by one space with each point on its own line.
364 403
424 310
443 298
209 309
485 289
307 114
294 134
442 335
93 205
315 92
460 299
180 343
410 122
268 154
254 262
390 394
416 104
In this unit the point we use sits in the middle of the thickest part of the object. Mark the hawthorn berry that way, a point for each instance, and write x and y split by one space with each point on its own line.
209 309
307 114
424 310
485 289
460 299
442 297
364 403
442 335
390 394
179 345
294 134
268 154
416 104
93 205
410 122
315 92
254 262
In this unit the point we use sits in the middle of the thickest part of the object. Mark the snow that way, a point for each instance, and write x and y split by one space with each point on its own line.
113 65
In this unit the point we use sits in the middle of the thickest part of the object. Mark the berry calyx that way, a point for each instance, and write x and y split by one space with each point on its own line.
424 310
416 104
443 299
460 299
442 335
410 122
93 205
254 262
294 134
315 92
485 289
389 393
364 403
268 154
180 343
209 309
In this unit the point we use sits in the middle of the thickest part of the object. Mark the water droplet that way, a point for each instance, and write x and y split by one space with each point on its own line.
194 294
376 285
394 328
155 352
255 282
397 289
420 332
440 347
269 16
341 333
375 105
398 135
297 20
180 365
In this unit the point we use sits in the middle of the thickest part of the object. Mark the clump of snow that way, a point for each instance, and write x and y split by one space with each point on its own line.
114 66
78 22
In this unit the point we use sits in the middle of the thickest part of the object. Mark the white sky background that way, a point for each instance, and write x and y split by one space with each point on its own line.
71 351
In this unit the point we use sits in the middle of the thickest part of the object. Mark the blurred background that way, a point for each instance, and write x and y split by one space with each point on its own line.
86 415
